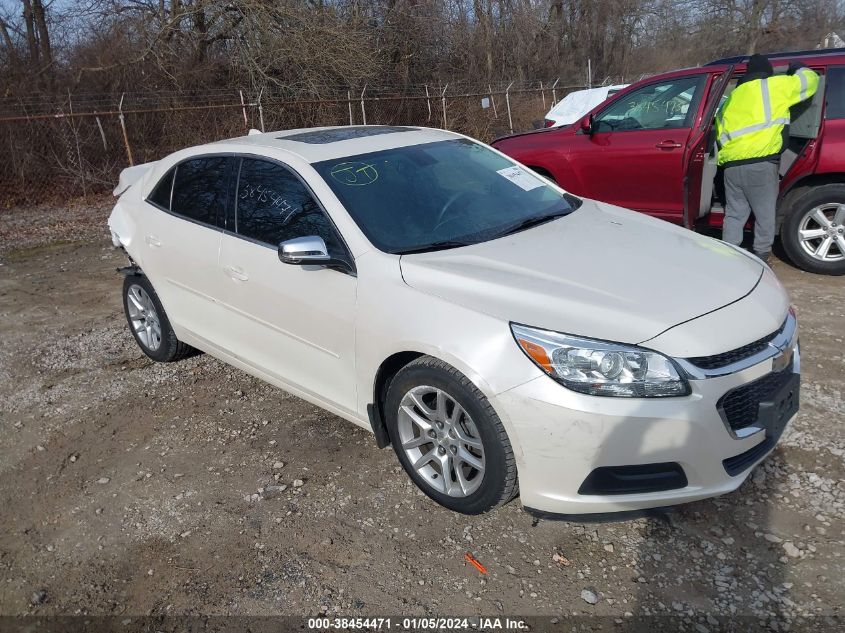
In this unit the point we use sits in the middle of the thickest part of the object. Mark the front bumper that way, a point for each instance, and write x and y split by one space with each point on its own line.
564 436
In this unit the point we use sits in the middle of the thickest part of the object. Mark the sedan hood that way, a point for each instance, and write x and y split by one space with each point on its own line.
600 272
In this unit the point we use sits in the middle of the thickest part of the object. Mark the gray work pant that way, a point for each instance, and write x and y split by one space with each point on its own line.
752 187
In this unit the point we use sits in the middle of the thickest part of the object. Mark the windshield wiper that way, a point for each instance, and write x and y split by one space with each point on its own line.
536 220
434 246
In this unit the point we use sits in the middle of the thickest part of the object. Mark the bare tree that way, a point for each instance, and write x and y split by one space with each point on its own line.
299 46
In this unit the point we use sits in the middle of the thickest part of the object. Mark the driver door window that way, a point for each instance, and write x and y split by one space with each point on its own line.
658 106
274 206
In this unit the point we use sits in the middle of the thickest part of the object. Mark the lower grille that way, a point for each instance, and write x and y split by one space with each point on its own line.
741 406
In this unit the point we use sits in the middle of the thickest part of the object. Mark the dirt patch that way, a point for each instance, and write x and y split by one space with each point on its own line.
26 230
130 487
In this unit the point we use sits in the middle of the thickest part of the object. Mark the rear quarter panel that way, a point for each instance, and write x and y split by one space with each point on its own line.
831 147
126 220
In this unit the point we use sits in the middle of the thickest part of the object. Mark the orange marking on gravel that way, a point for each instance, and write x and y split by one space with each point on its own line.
472 561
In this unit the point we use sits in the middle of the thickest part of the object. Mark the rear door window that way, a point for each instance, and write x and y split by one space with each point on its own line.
161 194
806 117
835 108
201 189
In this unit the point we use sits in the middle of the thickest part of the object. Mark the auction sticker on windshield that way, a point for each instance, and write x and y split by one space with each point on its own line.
521 178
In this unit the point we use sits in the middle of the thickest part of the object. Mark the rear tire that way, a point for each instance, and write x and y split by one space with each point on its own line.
448 438
148 321
813 230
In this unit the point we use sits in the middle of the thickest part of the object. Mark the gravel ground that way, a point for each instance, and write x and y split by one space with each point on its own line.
133 488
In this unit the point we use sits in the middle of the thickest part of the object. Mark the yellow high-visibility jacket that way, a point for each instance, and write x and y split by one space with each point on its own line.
749 125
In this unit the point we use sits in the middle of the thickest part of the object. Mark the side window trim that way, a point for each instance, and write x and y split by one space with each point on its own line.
275 247
219 226
232 212
172 187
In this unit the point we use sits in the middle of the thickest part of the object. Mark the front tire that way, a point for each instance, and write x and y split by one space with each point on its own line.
449 439
813 231
148 321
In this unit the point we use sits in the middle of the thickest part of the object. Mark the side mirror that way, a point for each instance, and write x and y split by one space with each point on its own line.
311 250
304 250
587 125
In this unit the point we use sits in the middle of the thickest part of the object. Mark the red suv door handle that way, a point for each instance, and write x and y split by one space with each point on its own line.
668 145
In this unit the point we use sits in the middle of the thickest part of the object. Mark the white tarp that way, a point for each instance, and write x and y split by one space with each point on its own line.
576 104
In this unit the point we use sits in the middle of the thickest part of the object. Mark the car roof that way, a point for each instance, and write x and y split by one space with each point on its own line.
326 143
817 55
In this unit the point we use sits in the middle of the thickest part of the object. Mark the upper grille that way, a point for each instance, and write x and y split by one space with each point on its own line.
741 406
717 361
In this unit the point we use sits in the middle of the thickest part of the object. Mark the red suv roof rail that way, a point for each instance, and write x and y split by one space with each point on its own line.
740 59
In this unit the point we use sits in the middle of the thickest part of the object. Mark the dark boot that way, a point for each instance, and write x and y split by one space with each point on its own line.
764 256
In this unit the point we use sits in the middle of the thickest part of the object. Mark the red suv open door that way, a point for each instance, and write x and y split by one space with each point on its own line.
700 157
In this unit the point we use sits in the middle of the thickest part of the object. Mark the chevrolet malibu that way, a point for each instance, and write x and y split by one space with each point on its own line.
505 337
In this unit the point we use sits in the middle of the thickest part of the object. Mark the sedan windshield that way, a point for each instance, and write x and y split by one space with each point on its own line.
441 195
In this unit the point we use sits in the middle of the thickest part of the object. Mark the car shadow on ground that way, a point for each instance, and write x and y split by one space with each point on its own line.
743 588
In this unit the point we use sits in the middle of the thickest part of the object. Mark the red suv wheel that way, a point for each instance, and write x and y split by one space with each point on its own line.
813 231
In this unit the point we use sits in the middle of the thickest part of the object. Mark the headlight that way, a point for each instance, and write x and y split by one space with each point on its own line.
600 368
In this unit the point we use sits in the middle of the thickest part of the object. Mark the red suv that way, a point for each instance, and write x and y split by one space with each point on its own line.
651 147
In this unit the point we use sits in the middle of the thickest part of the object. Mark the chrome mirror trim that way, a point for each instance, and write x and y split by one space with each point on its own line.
304 250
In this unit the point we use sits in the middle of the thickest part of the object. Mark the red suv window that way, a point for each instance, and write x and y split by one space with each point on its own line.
835 96
656 106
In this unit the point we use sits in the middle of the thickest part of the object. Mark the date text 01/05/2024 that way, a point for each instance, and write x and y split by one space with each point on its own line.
415 623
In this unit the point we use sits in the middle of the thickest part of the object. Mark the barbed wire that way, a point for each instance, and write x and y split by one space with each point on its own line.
32 104
66 146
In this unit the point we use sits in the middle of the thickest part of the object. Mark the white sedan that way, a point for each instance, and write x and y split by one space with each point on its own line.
505 337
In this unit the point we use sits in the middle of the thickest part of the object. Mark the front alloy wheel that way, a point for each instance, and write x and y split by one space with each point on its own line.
449 438
441 441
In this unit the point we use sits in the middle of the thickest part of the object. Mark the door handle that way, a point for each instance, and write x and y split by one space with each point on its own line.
152 241
236 273
668 145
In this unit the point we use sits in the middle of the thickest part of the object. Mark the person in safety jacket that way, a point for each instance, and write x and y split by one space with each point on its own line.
751 127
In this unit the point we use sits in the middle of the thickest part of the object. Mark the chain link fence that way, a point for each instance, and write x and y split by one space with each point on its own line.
77 147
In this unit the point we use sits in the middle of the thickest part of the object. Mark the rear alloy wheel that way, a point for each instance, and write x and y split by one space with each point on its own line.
149 323
813 233
449 438
143 318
